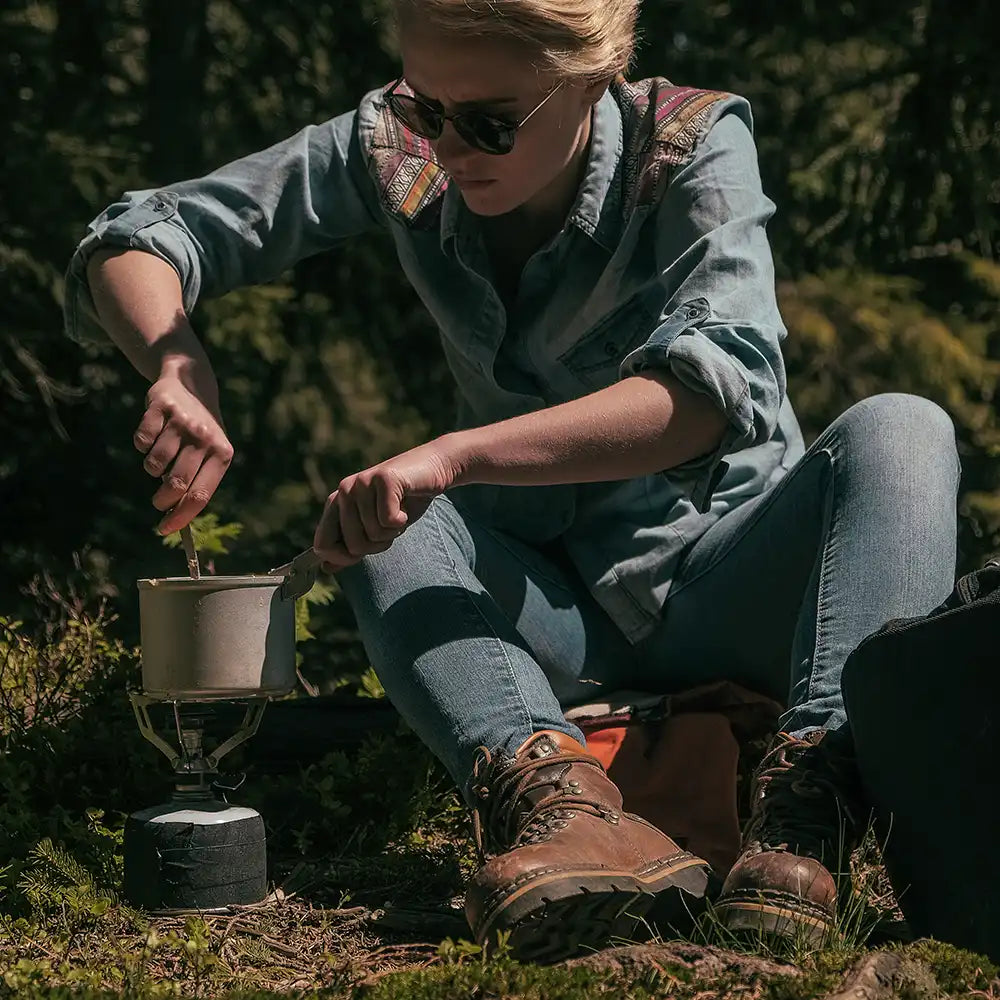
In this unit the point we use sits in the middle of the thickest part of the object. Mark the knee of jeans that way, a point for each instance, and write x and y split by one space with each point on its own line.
900 427
418 546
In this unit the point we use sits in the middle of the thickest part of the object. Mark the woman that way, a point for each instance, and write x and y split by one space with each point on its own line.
625 502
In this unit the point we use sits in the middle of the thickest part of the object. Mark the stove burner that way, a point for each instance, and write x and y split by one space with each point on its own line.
196 851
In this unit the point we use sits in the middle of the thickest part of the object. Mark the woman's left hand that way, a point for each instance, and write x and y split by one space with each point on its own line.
370 509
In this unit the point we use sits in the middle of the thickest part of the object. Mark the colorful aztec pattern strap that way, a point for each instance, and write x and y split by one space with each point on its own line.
409 177
662 140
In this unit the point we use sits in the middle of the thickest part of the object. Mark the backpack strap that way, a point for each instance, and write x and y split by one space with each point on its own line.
663 126
410 180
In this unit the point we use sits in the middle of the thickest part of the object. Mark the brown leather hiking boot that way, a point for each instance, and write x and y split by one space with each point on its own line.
567 867
797 844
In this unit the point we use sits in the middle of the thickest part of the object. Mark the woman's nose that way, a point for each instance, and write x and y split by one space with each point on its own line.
452 150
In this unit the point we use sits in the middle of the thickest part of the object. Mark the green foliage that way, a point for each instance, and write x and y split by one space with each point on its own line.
335 365
55 882
45 683
320 594
389 788
467 974
70 719
210 537
371 686
853 334
958 972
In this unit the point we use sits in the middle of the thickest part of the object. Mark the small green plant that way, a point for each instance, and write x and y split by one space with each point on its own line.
321 593
370 686
196 951
48 672
210 537
63 716
453 952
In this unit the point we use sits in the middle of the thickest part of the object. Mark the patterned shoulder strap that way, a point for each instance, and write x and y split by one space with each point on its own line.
663 126
409 178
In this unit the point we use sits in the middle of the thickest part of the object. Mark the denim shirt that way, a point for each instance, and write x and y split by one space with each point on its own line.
654 269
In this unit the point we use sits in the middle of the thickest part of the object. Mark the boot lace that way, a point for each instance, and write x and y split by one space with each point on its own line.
805 799
500 823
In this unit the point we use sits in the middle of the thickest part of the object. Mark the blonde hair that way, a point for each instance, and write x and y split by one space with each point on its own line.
587 40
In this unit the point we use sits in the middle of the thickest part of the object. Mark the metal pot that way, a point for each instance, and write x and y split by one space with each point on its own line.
217 637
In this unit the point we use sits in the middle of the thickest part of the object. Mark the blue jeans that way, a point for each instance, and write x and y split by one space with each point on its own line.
481 640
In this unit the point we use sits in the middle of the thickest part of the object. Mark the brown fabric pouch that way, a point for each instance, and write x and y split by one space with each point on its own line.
676 758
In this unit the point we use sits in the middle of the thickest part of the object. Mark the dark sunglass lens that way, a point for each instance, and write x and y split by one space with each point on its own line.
416 115
486 133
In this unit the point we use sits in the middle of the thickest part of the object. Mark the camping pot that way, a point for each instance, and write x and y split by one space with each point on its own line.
217 637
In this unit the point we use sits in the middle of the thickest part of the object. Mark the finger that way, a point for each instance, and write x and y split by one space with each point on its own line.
390 514
179 478
196 498
328 535
366 503
328 539
168 444
149 429
355 539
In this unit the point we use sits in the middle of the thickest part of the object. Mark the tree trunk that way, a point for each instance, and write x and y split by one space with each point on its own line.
177 57
79 55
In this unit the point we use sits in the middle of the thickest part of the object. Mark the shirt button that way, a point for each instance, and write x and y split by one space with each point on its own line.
610 349
159 205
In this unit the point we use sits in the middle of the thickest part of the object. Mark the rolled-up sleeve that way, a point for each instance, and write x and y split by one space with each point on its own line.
242 224
720 330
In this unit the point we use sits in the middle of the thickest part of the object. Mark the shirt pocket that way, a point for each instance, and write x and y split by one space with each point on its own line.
594 359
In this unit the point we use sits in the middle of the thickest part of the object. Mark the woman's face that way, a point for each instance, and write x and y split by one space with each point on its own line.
465 74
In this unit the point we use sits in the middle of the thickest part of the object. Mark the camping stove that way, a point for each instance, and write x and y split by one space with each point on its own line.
208 643
196 851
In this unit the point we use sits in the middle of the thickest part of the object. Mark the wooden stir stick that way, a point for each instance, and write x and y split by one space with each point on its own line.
187 540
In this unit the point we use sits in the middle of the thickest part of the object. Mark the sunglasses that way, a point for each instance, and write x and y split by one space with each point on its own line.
482 131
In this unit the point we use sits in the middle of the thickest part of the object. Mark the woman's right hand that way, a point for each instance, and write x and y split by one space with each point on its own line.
185 444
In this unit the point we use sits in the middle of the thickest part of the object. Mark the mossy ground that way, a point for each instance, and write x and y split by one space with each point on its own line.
368 850
385 922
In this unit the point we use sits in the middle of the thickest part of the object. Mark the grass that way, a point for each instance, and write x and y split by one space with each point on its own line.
369 852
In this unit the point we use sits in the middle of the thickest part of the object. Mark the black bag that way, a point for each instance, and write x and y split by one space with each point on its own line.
923 703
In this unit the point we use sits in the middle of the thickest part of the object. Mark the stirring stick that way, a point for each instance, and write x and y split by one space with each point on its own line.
187 540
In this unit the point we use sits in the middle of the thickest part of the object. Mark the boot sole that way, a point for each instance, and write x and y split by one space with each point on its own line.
774 913
560 913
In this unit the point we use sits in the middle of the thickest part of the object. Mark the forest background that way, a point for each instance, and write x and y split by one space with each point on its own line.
877 126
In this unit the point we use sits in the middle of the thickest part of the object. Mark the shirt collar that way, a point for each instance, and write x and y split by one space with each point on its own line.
597 208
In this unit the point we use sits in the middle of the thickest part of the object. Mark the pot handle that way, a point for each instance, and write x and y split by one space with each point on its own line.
300 574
